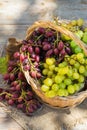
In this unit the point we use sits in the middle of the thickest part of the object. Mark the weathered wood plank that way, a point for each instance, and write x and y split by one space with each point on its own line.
28 11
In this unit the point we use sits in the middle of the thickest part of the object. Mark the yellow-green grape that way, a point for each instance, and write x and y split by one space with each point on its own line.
66 92
56 69
81 79
45 66
49 61
48 82
62 85
74 22
55 87
64 25
50 94
80 22
45 88
63 71
50 73
82 61
73 44
84 38
71 89
75 75
45 71
67 81
53 59
77 65
77 49
61 92
80 56
63 64
85 29
82 69
85 73
72 62
65 37
79 34
70 72
58 79
76 87
52 67
86 61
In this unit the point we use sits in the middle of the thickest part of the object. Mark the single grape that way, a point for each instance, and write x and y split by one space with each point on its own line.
45 71
73 22
78 49
46 47
41 30
50 94
45 88
48 82
45 65
81 79
37 50
58 79
76 87
67 81
6 76
71 89
61 92
55 87
50 73
84 38
52 67
75 75
60 45
12 77
72 61
49 61
56 51
49 53
82 69
73 44
77 65
16 55
10 102
80 22
62 85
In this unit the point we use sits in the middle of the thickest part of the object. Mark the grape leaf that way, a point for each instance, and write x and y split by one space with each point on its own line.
3 65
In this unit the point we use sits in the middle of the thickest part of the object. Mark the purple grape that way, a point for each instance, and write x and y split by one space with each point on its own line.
10 68
68 50
38 75
63 52
6 76
46 47
26 67
60 45
41 30
10 102
18 87
30 41
49 53
37 58
15 95
36 64
12 89
20 106
49 34
33 74
37 50
12 76
16 55
24 42
56 51
30 49
20 99
33 55
21 76
22 57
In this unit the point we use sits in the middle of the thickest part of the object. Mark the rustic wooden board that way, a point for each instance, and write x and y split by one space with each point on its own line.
15 17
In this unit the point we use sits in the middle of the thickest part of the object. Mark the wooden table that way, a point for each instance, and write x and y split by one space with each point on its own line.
15 17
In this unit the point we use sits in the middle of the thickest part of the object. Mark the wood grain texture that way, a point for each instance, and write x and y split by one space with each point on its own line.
15 17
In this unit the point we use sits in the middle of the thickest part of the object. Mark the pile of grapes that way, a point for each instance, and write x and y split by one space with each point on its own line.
52 58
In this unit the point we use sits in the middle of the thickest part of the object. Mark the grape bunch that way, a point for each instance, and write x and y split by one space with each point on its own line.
65 78
18 93
43 43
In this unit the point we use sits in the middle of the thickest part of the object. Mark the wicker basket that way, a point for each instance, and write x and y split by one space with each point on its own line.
62 102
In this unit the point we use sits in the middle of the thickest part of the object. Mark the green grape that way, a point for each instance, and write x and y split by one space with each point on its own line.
66 92
86 61
85 73
65 37
45 71
74 22
79 34
80 56
76 87
81 79
63 64
50 94
84 39
48 81
77 65
49 61
73 44
63 71
67 81
53 59
85 29
82 69
71 89
80 22
58 79
70 72
82 61
56 69
62 85
50 73
52 67
45 66
61 92
77 49
75 75
74 57
72 62
45 88
55 87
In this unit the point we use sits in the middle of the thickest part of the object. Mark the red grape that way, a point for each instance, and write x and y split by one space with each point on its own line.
6 76
16 55
30 49
56 51
37 50
10 102
60 45
41 30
